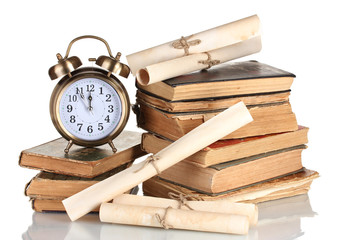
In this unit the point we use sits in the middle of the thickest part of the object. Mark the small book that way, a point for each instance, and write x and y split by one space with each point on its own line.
231 149
235 174
267 119
286 186
47 190
230 79
81 161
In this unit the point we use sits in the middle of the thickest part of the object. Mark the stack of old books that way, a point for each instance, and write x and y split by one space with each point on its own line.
62 175
259 162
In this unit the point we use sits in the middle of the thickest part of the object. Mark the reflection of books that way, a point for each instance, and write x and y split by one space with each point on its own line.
232 149
230 79
291 185
80 161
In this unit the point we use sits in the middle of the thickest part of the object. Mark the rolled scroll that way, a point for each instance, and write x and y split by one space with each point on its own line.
179 66
210 131
205 41
173 218
218 206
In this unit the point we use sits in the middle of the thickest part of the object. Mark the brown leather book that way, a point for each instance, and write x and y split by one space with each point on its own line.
268 118
235 174
230 79
231 149
80 161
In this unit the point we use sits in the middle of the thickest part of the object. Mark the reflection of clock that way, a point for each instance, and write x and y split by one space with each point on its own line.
89 106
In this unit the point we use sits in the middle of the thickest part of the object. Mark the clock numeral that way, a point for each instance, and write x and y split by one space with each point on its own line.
107 119
110 110
80 126
72 119
72 98
108 97
90 129
90 88
79 90
101 92
100 126
69 108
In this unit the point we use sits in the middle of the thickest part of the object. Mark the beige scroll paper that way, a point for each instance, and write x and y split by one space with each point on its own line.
173 218
216 45
210 131
181 202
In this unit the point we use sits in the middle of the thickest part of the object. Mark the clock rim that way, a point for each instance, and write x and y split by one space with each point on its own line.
79 74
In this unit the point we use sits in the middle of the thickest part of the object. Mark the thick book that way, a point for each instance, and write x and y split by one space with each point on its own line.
286 186
81 161
55 204
190 105
238 173
267 119
231 149
230 79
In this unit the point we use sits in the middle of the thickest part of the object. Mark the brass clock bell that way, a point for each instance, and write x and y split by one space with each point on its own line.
89 106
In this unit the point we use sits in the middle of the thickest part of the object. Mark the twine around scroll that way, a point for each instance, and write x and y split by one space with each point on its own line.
182 43
209 61
182 199
162 221
150 160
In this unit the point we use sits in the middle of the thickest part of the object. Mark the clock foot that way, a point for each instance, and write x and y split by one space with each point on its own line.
69 145
112 146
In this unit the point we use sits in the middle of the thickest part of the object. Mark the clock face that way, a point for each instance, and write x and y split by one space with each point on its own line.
90 109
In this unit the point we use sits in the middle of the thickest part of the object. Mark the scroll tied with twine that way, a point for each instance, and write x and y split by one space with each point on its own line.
169 217
191 202
165 61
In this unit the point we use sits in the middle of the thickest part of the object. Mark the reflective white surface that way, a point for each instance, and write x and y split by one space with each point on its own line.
279 220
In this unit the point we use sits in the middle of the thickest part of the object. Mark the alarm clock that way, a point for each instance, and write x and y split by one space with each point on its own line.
89 106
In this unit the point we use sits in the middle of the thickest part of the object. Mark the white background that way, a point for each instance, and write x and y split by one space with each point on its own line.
298 36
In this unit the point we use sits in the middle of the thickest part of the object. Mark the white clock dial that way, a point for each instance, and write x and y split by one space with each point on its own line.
90 109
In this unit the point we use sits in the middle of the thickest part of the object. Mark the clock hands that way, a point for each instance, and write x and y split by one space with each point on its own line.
89 107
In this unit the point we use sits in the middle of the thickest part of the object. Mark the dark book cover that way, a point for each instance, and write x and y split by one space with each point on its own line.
230 72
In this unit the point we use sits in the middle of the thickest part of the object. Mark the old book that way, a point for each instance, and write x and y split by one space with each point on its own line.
268 118
189 105
231 149
55 204
46 185
286 186
236 78
80 161
238 173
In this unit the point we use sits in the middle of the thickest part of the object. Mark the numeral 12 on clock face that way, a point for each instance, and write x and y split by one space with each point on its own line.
90 109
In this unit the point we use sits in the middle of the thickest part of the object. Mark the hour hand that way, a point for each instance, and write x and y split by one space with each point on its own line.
84 101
